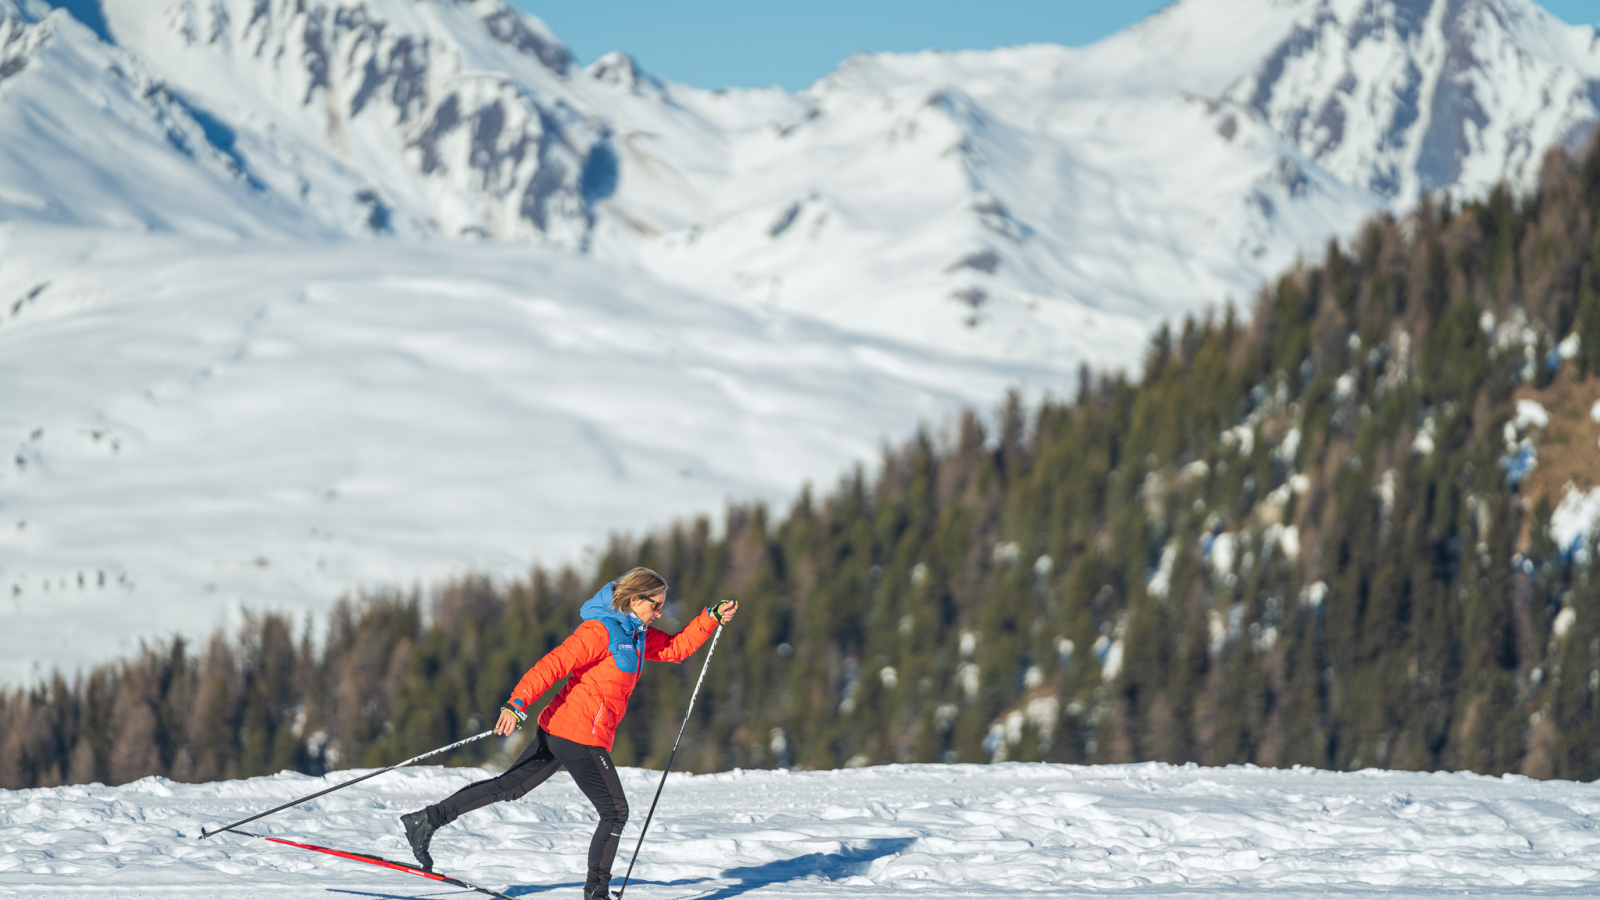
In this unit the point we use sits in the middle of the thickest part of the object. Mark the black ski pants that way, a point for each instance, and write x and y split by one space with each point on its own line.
591 768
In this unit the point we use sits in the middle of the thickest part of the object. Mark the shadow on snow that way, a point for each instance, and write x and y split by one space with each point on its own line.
829 866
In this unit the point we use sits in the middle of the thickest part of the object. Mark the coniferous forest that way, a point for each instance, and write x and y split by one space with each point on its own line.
1321 534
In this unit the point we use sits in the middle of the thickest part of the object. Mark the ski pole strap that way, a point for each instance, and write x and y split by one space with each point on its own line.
205 834
668 767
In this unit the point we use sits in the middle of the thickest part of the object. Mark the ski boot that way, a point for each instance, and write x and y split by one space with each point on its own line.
597 886
419 831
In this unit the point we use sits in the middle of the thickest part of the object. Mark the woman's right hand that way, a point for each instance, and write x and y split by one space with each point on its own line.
507 724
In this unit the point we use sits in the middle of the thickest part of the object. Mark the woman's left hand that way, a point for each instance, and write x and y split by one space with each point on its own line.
723 612
507 722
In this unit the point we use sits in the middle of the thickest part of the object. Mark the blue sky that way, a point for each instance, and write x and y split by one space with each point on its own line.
752 43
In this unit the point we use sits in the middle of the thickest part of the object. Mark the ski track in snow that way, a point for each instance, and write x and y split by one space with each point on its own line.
937 831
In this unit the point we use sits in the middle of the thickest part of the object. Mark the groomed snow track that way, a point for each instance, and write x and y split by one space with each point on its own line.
932 831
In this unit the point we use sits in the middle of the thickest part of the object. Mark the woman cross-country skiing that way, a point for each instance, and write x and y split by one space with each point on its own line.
579 724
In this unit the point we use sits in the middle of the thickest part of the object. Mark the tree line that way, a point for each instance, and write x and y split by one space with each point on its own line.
1322 535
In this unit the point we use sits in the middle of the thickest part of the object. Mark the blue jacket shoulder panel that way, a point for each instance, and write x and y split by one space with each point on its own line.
627 633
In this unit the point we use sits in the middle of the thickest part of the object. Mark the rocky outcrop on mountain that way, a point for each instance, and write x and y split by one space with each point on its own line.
17 42
442 118
1411 96
459 102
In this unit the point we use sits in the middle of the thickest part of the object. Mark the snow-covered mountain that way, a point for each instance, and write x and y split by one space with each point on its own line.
297 295
1402 98
303 121
1027 193
988 200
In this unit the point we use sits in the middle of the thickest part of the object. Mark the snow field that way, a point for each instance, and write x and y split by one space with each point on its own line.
192 429
937 831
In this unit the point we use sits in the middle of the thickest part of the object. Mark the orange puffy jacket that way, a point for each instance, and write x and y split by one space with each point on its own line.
603 658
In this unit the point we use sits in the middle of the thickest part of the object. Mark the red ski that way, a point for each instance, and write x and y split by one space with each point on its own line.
377 861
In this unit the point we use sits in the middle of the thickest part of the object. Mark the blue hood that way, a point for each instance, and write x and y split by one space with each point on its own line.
599 607
627 633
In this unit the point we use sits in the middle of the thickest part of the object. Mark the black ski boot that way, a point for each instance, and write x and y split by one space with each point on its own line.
598 886
419 831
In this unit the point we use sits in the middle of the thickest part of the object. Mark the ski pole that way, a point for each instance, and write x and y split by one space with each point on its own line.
205 834
647 818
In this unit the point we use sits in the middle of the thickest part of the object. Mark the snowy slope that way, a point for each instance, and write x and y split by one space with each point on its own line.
92 138
271 425
938 831
298 296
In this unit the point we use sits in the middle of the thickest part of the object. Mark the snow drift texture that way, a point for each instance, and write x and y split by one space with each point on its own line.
297 296
936 831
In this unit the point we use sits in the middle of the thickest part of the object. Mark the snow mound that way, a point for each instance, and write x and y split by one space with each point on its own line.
1575 520
940 831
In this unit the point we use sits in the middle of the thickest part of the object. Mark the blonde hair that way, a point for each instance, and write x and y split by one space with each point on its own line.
635 583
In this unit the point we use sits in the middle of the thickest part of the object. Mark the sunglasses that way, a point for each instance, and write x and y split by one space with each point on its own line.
654 604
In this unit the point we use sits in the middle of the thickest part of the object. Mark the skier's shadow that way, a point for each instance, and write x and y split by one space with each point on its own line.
831 866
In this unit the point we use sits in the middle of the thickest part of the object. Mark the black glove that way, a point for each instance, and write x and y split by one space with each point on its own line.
722 609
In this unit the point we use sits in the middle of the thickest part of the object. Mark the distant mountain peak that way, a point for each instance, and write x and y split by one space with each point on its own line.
524 32
622 71
1402 97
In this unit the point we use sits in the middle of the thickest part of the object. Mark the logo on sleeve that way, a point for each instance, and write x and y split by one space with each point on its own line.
626 647
626 655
